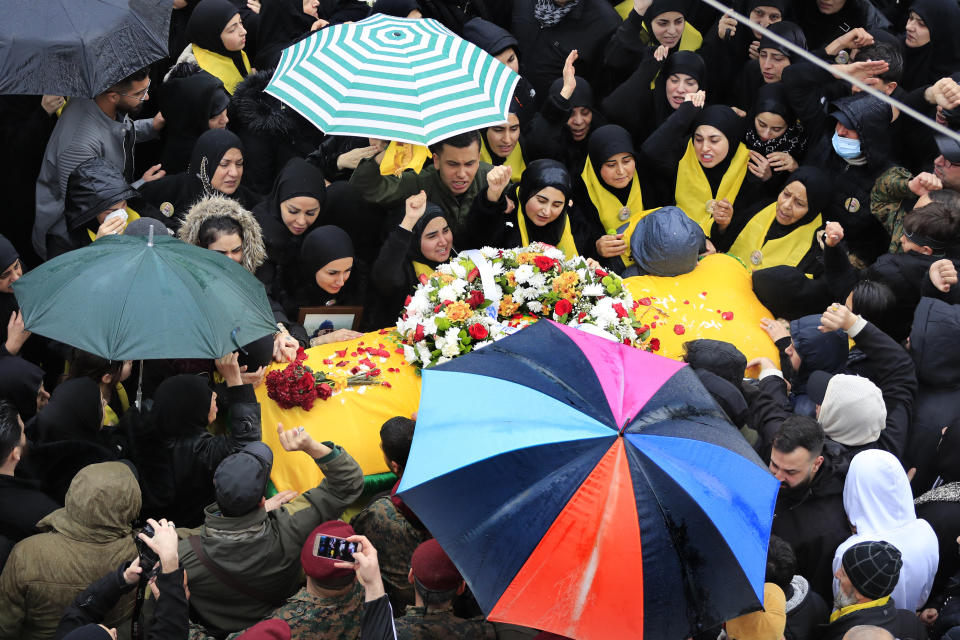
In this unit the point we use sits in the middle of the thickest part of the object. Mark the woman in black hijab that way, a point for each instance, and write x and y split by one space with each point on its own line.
216 167
561 129
772 59
283 23
21 382
217 38
191 104
178 456
653 92
727 46
608 193
776 135
331 277
286 216
930 47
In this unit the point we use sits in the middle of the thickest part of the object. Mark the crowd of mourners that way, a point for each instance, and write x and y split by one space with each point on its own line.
641 135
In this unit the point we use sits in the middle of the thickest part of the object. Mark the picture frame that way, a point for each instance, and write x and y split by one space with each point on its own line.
342 317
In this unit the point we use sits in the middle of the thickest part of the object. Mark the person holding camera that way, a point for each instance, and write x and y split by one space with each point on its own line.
158 564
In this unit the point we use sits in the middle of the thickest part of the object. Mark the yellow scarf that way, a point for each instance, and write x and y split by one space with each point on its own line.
566 244
422 269
690 39
131 216
401 156
693 188
514 160
837 613
787 250
607 204
220 66
627 231
110 416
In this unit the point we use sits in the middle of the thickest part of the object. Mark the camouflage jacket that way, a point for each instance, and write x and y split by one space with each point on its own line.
440 624
395 540
887 202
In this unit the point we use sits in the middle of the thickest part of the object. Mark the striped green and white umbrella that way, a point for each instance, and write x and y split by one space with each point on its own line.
394 79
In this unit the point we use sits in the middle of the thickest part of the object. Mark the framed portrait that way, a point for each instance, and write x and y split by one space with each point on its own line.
338 318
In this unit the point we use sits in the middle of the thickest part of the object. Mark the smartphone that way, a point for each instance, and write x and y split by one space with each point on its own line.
334 548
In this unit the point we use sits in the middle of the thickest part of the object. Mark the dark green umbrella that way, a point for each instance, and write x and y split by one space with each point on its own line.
134 298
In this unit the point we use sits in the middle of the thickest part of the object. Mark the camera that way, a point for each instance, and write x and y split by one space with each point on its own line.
149 560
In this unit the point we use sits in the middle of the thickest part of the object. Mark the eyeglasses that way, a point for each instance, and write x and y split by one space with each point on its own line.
140 96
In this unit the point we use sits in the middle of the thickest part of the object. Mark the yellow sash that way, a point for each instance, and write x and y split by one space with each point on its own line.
566 244
422 269
401 156
693 188
627 231
788 250
514 160
607 204
131 216
220 66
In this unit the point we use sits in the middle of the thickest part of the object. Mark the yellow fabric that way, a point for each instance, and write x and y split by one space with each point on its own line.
422 269
627 231
837 613
514 160
693 189
787 250
607 204
351 418
131 216
566 244
220 66
110 416
401 156
697 300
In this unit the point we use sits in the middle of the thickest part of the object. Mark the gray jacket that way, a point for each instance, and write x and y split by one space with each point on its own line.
84 131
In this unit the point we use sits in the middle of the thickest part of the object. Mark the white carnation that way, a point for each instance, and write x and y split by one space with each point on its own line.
409 353
535 306
458 270
538 281
451 349
594 290
447 293
489 252
523 273
459 285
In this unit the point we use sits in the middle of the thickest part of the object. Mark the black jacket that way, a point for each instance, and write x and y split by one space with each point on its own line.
903 624
271 132
814 521
171 619
22 505
177 473
822 29
586 28
806 611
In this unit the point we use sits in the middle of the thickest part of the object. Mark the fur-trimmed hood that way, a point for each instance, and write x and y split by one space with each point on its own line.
254 251
258 111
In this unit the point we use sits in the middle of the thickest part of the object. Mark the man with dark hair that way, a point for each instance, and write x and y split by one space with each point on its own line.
805 609
389 523
22 503
245 561
436 582
867 574
809 513
456 179
97 128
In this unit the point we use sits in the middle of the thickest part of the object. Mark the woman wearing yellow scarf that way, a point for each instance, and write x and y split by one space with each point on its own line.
649 23
500 144
609 193
217 38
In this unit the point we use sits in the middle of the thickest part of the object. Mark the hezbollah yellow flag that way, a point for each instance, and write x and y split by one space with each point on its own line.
715 300
350 418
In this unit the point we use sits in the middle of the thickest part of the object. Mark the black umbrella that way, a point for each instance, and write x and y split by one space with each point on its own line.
78 47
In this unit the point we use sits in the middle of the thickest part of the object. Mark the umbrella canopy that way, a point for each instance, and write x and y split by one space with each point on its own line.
126 298
393 78
78 48
589 489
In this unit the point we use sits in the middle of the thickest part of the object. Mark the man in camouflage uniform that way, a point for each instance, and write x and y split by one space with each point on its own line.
436 583
388 523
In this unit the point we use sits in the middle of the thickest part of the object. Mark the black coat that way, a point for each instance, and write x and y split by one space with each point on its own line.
586 28
944 517
22 506
806 611
814 522
392 278
903 624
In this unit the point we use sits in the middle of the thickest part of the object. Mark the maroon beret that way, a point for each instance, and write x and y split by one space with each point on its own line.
433 568
322 569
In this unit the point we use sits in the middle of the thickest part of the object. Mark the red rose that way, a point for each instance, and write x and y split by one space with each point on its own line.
475 299
544 263
418 333
621 312
324 391
563 307
655 344
478 332
679 329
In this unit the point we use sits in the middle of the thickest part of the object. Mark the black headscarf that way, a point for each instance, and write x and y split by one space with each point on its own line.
207 22
320 247
606 142
297 178
948 454
686 62
181 405
20 382
732 127
433 211
539 175
282 23
788 31
582 95
209 149
659 7
772 98
8 302
73 413
941 56
818 187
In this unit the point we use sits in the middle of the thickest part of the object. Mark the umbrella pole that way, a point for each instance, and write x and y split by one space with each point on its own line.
140 385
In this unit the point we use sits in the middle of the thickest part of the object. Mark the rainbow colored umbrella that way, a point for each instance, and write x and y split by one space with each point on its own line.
589 489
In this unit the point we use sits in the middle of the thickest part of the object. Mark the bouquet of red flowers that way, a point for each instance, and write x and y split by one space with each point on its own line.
297 385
